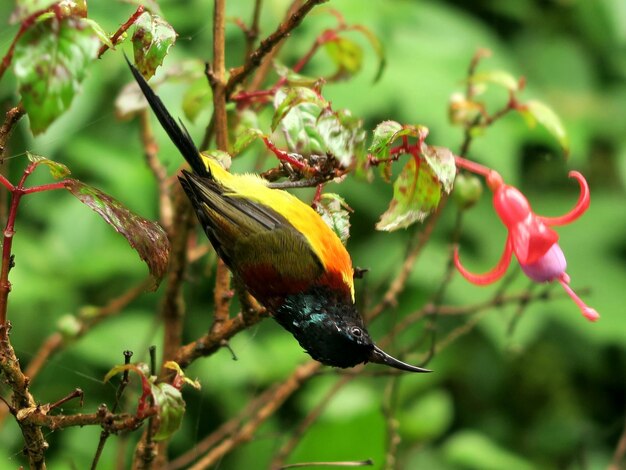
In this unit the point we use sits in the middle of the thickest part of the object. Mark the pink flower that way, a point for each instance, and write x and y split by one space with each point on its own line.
531 239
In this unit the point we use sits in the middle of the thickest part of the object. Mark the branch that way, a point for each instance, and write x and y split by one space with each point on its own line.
12 117
240 73
122 29
246 433
212 341
111 422
158 170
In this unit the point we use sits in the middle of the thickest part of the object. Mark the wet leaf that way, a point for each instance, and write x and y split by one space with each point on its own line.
336 214
145 236
441 162
341 135
57 170
416 193
536 111
197 98
306 102
347 56
152 39
50 63
171 410
297 111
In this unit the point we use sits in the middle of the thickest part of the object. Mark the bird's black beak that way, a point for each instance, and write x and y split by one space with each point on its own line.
381 357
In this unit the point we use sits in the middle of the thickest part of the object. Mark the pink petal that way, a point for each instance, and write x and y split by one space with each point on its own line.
487 278
549 267
581 205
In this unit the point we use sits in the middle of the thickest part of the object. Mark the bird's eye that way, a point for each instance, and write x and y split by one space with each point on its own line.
356 331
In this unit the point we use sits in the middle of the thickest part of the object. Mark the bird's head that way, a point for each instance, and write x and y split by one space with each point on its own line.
331 330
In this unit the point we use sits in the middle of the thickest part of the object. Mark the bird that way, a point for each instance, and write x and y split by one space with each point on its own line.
280 249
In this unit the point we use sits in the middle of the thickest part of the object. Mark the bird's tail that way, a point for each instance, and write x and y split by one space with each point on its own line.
177 133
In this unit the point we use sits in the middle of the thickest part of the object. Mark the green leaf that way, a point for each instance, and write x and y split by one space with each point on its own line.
473 450
536 111
376 45
50 63
335 212
171 410
101 33
384 134
57 170
428 417
304 102
244 139
342 135
416 193
441 162
197 98
347 56
387 132
294 79
152 39
297 110
146 237
497 77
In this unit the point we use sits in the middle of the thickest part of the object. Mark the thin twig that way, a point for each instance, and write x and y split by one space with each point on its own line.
150 148
246 433
122 29
240 73
296 435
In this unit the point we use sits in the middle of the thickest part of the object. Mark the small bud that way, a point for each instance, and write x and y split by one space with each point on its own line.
69 326
467 190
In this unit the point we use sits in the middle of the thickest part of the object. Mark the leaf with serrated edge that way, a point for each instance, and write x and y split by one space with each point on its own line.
297 111
387 132
50 62
146 237
416 193
57 170
152 39
342 135
383 137
546 116
335 212
441 162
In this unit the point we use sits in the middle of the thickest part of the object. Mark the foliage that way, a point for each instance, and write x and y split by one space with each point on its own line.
519 381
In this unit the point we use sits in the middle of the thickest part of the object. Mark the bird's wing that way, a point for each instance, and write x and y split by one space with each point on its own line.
258 244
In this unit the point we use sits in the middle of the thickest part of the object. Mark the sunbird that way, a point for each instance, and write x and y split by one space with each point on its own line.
280 249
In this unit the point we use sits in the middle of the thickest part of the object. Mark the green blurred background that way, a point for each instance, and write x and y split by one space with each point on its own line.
551 395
